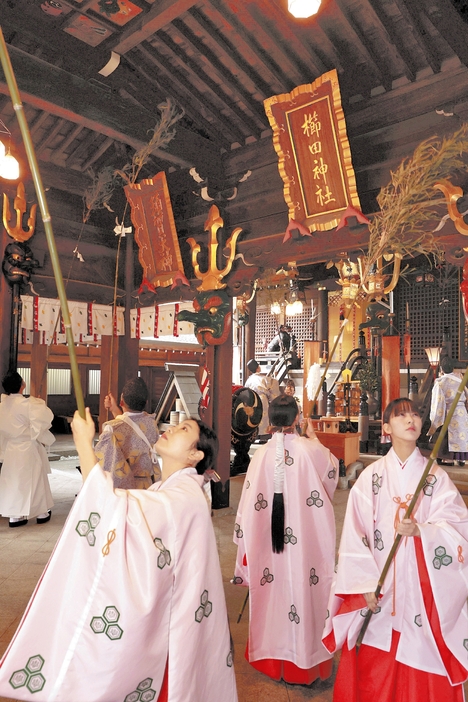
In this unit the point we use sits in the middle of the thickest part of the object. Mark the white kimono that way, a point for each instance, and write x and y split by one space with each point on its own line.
24 429
288 591
443 393
134 582
267 389
377 501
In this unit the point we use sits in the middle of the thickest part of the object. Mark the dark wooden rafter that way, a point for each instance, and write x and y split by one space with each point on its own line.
81 150
161 81
206 55
231 52
50 136
237 117
73 134
308 59
41 118
354 35
412 14
385 25
442 18
102 148
289 64
160 15
187 96
246 31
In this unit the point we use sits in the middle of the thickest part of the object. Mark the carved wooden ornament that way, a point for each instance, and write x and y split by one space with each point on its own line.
155 231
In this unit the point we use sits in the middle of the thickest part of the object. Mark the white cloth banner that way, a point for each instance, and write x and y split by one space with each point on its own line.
102 318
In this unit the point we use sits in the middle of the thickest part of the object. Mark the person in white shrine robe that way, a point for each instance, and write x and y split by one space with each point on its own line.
131 605
24 431
416 646
285 536
443 393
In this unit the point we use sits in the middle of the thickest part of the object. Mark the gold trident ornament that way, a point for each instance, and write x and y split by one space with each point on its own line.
452 194
212 278
17 232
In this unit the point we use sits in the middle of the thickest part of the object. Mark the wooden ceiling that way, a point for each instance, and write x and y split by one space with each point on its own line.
398 62
217 59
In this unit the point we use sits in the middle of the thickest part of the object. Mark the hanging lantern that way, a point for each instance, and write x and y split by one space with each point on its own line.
275 308
9 167
433 354
301 9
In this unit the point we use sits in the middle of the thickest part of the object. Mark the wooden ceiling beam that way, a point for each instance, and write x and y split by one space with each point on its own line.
38 122
60 93
161 81
305 54
106 144
411 14
214 90
237 19
206 55
444 19
50 136
81 150
289 65
231 52
376 63
184 88
375 12
160 15
69 139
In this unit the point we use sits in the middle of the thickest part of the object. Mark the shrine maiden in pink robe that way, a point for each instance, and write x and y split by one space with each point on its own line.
134 583
288 591
425 592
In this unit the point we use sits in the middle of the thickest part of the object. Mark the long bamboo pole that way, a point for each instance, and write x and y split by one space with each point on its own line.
46 218
332 352
412 504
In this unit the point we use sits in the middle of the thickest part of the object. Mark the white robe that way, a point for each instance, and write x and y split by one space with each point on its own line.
288 591
374 505
134 581
443 393
267 389
24 485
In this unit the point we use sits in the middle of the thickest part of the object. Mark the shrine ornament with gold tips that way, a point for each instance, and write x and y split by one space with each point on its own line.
213 315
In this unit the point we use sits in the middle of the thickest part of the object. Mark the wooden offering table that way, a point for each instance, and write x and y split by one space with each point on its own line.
345 446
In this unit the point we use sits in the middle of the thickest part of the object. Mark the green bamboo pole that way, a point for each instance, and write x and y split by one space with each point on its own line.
33 165
412 504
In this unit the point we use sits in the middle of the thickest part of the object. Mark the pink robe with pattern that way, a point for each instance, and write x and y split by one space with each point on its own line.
288 591
376 501
134 582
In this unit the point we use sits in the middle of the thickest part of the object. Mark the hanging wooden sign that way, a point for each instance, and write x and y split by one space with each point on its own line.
155 231
314 157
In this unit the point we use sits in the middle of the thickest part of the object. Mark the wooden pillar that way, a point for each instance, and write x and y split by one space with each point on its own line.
38 368
219 362
322 319
390 369
312 353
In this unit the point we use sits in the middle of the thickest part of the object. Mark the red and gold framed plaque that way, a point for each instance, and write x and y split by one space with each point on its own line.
314 157
155 231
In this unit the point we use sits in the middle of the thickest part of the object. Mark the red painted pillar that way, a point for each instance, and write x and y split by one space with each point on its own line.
390 369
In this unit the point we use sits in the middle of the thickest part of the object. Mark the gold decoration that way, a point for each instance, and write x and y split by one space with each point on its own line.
17 232
452 194
212 278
